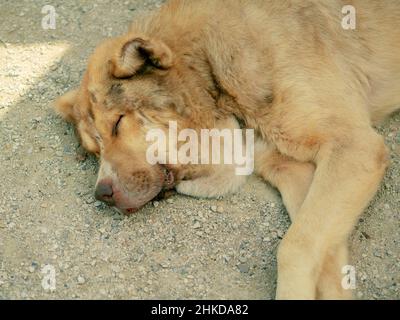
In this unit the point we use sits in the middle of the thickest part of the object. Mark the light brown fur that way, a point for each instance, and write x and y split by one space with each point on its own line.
310 89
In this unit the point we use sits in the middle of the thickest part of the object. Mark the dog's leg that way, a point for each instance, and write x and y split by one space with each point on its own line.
329 285
293 180
346 178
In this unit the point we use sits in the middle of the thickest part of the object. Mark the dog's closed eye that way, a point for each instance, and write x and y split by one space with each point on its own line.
116 126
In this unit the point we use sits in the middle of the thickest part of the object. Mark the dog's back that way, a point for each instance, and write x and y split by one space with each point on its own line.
368 56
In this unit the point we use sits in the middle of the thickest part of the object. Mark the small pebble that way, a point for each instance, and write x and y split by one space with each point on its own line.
197 225
244 268
81 280
98 204
272 205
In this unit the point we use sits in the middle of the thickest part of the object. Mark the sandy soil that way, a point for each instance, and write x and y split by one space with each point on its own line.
179 248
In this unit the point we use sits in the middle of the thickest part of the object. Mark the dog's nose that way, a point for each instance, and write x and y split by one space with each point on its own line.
104 192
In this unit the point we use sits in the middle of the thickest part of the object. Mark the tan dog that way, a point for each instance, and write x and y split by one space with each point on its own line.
310 89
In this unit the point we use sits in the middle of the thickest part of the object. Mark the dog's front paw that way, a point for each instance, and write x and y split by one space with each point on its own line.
210 187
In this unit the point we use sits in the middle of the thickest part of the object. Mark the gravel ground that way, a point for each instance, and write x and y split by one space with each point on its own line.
176 248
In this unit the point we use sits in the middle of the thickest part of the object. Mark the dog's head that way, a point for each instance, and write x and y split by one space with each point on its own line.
134 84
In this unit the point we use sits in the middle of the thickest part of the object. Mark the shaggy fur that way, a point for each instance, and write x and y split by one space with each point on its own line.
286 68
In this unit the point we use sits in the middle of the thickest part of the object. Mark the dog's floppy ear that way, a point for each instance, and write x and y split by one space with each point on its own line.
138 54
64 105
